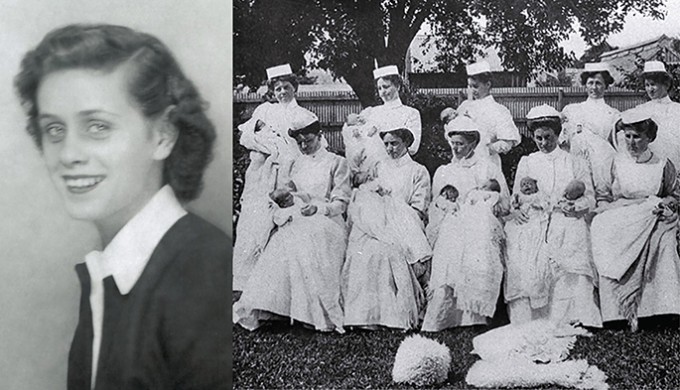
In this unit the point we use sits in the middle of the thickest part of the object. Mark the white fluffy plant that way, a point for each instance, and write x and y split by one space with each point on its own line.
421 361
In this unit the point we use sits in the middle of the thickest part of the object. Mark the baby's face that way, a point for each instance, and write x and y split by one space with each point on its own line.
287 201
528 187
450 194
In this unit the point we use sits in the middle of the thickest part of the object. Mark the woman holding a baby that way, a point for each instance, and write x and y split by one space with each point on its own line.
634 233
361 134
549 263
272 151
388 251
298 273
467 236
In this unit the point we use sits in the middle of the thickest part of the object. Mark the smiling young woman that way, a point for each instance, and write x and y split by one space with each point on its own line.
125 140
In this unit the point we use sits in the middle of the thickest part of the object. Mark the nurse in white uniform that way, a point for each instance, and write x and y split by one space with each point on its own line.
587 127
272 152
363 145
496 126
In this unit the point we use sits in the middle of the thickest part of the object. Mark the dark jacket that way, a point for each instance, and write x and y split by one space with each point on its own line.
171 330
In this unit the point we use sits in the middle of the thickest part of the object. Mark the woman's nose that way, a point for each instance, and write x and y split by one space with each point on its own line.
72 150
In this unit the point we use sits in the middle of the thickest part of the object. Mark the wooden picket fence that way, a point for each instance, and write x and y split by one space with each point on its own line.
332 107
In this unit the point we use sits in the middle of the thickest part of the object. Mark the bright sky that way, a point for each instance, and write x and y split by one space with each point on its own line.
637 29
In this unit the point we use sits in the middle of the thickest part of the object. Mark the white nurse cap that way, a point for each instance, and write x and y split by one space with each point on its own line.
303 119
385 71
461 123
542 111
634 116
280 70
654 67
478 68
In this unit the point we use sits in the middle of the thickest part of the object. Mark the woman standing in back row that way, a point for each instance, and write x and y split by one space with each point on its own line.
496 126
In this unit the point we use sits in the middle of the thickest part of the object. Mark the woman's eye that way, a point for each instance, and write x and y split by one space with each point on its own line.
97 128
54 132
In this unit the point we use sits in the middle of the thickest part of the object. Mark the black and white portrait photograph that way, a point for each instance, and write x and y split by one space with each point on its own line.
116 159
456 194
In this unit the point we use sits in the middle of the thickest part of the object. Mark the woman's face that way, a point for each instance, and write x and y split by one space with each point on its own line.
478 89
545 139
460 146
387 90
103 155
636 143
595 86
308 143
394 146
284 91
655 90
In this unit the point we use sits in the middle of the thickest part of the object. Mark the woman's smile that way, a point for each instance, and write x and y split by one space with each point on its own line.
80 184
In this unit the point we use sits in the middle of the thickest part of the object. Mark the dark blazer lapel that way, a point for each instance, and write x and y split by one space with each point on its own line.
80 354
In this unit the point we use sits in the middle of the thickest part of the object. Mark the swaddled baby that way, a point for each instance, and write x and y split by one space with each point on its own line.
530 200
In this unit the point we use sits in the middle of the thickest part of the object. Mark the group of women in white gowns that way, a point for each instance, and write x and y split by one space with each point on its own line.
536 247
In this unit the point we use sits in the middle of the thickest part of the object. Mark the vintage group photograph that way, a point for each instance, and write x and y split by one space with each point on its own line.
456 194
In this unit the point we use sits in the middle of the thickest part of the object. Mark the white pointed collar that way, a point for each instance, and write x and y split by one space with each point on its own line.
664 100
594 101
128 253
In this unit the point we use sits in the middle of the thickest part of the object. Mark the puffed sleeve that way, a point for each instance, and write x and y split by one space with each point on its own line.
340 190
420 198
582 173
505 128
413 123
249 138
669 185
568 125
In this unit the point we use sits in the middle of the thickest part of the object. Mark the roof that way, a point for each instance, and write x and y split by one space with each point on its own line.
621 50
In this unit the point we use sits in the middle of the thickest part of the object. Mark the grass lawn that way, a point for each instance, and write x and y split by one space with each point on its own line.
285 356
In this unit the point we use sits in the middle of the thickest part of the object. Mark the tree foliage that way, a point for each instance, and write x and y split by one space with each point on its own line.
348 37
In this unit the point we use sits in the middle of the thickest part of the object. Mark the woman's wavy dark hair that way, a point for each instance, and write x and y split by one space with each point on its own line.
608 79
395 79
291 78
659 78
404 135
647 126
483 78
156 82
553 123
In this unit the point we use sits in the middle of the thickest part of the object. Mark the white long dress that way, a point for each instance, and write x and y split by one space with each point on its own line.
272 151
565 248
495 124
588 127
386 237
636 254
369 149
467 265
298 273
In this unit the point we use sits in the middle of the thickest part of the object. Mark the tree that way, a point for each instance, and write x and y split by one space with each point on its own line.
350 36
269 33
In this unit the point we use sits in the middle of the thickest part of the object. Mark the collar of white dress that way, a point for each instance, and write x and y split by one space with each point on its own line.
598 101
393 103
290 105
401 161
557 152
664 100
486 99
465 162
128 253
319 153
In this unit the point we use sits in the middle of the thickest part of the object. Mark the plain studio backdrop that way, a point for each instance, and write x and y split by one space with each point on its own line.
39 243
